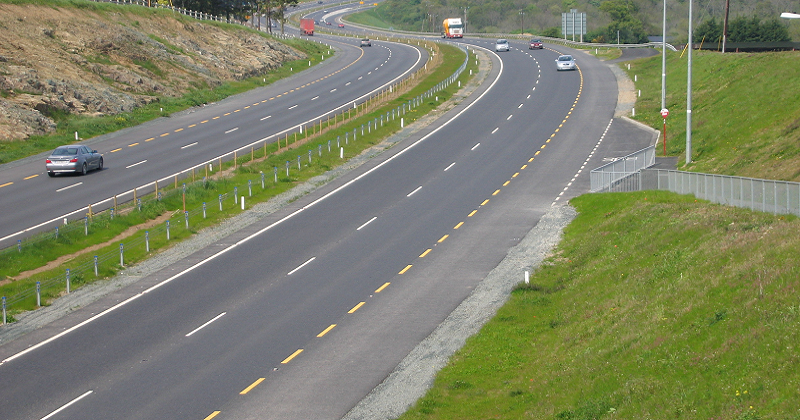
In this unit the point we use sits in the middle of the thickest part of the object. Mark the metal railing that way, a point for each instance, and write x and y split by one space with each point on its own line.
615 175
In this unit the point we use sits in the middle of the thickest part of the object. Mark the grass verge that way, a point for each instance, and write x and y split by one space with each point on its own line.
745 118
654 306
246 175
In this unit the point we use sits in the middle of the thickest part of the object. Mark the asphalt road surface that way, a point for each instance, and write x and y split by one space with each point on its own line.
303 313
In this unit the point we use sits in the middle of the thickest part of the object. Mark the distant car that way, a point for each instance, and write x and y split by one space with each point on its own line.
366 43
319 2
73 158
502 45
327 23
565 62
341 25
536 44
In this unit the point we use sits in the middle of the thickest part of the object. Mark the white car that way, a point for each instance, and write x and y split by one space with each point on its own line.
502 45
565 62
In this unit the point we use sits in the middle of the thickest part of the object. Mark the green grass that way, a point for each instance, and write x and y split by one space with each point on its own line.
745 116
654 306
371 17
103 229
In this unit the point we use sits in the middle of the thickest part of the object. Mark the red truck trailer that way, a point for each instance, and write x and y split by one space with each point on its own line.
307 26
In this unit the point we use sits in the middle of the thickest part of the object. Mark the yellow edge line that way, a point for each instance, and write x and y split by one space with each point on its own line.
380 289
253 385
355 308
326 330
289 359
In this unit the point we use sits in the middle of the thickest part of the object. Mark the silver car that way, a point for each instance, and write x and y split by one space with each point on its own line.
565 62
502 45
73 158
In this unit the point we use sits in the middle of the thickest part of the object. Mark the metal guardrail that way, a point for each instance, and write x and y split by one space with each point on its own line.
615 175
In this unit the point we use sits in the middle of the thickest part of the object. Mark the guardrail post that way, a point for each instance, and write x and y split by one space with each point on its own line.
235 195
309 156
275 173
249 188
111 211
186 218
4 310
287 168
38 294
68 281
298 162
139 203
220 202
147 241
167 229
95 265
121 255
319 148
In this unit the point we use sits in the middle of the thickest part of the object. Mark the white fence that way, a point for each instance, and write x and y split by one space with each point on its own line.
614 175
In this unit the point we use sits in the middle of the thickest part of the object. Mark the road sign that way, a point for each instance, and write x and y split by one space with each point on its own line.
664 113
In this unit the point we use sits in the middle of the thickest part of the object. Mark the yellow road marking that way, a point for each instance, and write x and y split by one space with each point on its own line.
278 96
203 122
164 135
212 415
537 152
523 167
150 139
193 125
496 192
178 130
557 130
289 359
237 110
247 107
543 146
256 104
133 144
265 100
115 150
530 160
216 118
547 141
458 225
355 308
473 213
6 184
380 289
403 271
442 238
253 385
226 114
484 203
505 184
326 330
32 176
425 253
285 93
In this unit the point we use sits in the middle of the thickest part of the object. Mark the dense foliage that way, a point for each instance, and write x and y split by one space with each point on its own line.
744 30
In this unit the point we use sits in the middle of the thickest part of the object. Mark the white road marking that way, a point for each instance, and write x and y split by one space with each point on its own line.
449 166
188 145
231 130
70 186
293 107
368 222
85 394
315 98
268 116
368 73
348 83
529 96
412 192
301 265
138 163
520 106
475 146
360 77
206 324
333 90
509 117
495 130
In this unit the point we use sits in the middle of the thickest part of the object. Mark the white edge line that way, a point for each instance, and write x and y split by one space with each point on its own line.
415 190
266 228
206 324
85 394
301 265
449 166
69 186
368 222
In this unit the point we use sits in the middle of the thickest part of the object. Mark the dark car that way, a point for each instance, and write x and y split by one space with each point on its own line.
73 158
536 44
366 42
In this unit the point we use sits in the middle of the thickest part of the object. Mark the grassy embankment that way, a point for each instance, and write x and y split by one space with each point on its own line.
33 256
656 305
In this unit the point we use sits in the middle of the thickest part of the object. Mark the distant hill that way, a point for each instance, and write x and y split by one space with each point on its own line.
542 16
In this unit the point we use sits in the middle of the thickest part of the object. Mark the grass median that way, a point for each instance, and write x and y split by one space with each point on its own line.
313 158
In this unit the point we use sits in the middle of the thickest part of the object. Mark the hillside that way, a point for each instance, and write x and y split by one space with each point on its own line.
82 58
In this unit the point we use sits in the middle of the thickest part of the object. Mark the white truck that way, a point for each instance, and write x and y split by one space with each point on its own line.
452 28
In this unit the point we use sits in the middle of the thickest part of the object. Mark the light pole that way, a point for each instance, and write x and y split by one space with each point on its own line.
464 25
664 111
689 93
522 22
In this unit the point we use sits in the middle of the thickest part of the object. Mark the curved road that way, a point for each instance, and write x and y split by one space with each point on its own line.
301 314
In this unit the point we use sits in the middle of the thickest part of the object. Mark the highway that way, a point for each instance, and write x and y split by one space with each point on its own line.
300 315
157 150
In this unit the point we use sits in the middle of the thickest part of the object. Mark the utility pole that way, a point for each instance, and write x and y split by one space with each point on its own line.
689 93
664 58
725 25
464 31
522 20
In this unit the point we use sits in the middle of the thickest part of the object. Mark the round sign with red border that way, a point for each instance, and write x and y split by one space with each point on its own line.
664 113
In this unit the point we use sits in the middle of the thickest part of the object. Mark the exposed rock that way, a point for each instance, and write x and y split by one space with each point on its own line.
98 62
